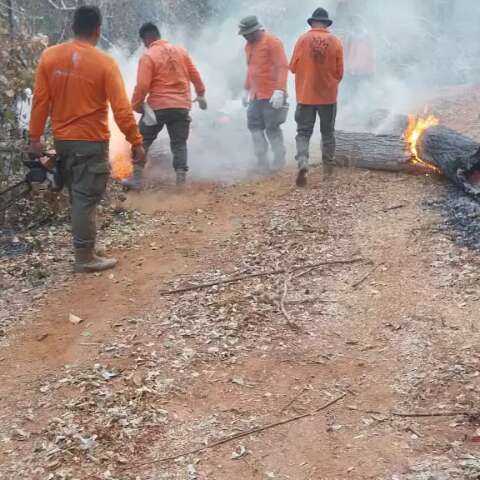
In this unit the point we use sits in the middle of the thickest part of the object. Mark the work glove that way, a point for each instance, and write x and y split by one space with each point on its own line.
202 103
138 154
245 98
278 99
149 117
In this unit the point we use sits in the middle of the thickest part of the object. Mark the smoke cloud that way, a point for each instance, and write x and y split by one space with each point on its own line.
419 44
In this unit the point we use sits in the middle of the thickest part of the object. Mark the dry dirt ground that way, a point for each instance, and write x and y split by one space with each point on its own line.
354 355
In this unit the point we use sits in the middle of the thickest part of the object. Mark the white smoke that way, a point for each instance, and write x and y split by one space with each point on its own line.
421 44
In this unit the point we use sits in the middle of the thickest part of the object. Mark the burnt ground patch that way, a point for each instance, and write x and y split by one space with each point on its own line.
461 215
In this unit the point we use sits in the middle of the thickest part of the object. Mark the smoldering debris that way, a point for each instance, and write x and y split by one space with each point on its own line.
461 214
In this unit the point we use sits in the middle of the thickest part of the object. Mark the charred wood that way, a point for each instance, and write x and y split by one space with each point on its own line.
454 154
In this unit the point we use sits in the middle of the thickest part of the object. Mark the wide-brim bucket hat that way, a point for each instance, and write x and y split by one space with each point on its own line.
249 25
320 15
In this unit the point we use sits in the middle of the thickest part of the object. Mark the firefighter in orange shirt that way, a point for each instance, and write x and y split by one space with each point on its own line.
317 63
265 92
163 96
360 61
74 86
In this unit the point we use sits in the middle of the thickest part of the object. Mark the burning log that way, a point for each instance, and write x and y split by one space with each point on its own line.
377 152
425 147
455 155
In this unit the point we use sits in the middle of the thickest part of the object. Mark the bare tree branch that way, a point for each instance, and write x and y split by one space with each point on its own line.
62 6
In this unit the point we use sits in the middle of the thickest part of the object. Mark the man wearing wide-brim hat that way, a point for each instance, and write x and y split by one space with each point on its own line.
317 63
265 92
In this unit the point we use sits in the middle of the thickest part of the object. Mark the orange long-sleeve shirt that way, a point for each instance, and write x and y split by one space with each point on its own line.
267 67
317 62
165 73
74 85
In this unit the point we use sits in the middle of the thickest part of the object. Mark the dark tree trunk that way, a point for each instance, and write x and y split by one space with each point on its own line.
11 19
376 152
457 156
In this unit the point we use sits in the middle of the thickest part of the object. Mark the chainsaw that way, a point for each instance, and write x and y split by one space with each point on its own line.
42 176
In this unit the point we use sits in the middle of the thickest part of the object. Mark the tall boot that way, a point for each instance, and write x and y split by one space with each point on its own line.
328 170
328 158
302 178
302 172
181 178
135 182
279 163
263 165
86 261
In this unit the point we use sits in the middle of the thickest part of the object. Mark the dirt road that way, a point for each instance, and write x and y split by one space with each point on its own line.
145 377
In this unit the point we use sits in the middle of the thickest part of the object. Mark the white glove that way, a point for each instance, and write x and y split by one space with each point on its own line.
278 99
149 117
245 98
202 103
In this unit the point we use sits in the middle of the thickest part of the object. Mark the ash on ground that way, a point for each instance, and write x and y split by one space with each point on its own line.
462 217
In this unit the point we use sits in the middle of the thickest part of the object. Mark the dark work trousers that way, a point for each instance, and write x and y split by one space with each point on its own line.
177 121
263 119
84 169
306 116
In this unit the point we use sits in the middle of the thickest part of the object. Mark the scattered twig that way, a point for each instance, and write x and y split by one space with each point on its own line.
62 5
237 436
284 310
394 207
412 430
309 300
367 276
294 399
258 275
39 223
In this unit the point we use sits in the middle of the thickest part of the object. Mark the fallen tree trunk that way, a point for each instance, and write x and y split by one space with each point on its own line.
376 152
455 155
442 150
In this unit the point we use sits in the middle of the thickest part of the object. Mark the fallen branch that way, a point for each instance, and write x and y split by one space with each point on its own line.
433 415
418 415
238 436
258 275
